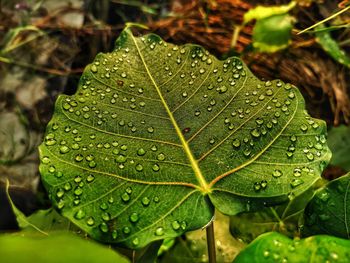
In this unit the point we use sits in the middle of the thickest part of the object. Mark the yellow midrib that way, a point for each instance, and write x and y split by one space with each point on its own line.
204 185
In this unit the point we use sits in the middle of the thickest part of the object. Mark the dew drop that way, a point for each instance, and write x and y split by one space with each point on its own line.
296 182
277 173
175 225
125 197
159 231
90 178
145 201
155 167
255 133
141 152
161 157
135 241
139 167
120 159
134 217
90 221
80 214
126 230
104 227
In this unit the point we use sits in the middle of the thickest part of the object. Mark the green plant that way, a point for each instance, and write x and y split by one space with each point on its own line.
159 135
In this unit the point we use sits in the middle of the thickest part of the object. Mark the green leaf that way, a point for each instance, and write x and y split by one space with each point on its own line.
329 211
339 143
61 247
331 46
274 247
273 33
158 134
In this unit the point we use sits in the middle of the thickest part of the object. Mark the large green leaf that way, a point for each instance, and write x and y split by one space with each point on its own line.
57 248
329 211
274 247
158 134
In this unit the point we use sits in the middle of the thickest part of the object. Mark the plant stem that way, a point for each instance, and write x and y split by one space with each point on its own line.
211 243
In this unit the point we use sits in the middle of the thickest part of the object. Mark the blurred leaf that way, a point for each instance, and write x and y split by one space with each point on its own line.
339 143
283 218
58 248
274 247
272 33
332 47
329 211
262 12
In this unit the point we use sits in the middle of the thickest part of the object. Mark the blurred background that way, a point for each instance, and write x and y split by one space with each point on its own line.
45 45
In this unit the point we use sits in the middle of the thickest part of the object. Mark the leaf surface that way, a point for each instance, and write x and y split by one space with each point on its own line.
158 134
274 247
329 210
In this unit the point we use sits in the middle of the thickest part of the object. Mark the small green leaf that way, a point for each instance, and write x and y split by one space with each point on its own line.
331 46
274 247
58 248
159 134
339 143
273 33
329 211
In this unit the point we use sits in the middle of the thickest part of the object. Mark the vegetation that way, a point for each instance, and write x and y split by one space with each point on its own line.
162 140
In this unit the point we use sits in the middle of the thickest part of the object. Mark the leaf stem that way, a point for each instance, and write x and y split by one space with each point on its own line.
211 243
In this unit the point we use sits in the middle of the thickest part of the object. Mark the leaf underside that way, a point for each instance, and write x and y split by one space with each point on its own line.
157 135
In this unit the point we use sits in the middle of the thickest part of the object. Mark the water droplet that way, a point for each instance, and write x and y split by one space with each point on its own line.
104 227
155 167
125 197
310 156
114 234
104 206
141 152
79 157
324 196
277 173
150 129
67 186
126 230
139 167
120 159
145 201
297 172
45 160
134 217
135 241
93 68
175 225
80 214
90 178
184 94
296 182
159 231
78 191
106 216
303 127
161 157
255 133
52 169
236 143
90 221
